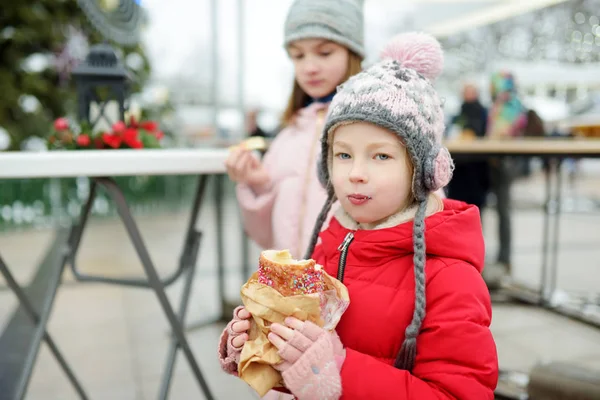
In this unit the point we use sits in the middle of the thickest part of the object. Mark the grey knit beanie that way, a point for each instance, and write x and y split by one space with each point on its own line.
397 94
340 21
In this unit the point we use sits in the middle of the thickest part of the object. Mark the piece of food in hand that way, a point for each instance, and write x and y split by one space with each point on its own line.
252 143
288 276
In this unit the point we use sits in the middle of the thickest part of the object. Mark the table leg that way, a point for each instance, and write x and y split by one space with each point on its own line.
553 265
154 280
526 293
226 308
188 260
546 229
41 322
219 197
246 271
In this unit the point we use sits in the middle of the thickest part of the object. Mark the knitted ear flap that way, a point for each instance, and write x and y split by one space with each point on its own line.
437 168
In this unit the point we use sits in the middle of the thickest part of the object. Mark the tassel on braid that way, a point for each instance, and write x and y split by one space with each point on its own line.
407 355
320 221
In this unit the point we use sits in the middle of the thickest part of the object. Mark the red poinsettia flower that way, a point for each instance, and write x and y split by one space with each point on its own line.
98 143
61 124
112 140
130 138
119 127
130 134
159 135
150 126
83 140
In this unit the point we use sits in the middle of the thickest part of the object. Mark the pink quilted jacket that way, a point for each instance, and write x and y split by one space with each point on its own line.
283 218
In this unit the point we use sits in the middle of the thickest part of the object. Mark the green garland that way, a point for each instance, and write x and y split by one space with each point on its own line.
30 27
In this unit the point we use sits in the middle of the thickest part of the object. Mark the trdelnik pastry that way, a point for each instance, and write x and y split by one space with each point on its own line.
258 143
284 287
288 276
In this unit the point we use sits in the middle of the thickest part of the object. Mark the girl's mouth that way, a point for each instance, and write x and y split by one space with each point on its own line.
315 82
358 199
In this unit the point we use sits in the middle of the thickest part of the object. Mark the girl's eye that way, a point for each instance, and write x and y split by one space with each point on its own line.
382 157
343 156
325 53
296 56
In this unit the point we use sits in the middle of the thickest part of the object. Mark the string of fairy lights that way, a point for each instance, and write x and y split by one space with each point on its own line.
565 33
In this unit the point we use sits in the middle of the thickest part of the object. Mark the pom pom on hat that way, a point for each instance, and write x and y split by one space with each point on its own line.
418 51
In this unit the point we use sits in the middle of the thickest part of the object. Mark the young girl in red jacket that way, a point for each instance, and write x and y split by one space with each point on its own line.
418 322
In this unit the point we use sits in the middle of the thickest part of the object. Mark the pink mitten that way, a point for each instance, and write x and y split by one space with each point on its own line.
313 360
229 355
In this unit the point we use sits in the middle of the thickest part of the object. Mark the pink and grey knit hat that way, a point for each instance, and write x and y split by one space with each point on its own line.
397 94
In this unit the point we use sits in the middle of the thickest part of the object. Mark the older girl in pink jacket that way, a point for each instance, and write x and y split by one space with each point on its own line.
281 196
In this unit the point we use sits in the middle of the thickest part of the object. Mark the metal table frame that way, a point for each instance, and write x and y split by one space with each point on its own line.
555 151
186 268
227 306
575 307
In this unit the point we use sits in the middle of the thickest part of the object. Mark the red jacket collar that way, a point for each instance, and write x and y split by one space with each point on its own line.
454 233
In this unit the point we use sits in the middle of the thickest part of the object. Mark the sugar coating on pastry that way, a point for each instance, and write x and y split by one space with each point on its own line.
289 276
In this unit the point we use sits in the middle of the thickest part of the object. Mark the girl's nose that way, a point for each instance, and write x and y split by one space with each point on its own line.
358 173
311 66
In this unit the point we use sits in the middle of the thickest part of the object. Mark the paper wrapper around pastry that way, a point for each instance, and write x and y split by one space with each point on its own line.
311 295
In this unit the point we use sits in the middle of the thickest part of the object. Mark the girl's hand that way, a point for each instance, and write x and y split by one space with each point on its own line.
232 340
238 328
243 167
312 359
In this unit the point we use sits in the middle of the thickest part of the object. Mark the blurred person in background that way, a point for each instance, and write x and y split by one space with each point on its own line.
470 182
507 119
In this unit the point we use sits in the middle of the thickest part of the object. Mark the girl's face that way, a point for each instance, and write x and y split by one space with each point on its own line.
371 172
319 65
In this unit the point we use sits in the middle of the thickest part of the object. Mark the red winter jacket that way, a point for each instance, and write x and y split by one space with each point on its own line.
456 353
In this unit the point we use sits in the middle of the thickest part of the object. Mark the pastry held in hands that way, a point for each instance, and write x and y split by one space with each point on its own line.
252 143
283 287
288 276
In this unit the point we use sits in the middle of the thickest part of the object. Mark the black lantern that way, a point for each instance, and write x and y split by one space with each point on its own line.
100 79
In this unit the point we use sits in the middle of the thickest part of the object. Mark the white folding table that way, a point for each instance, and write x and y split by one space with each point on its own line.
100 167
